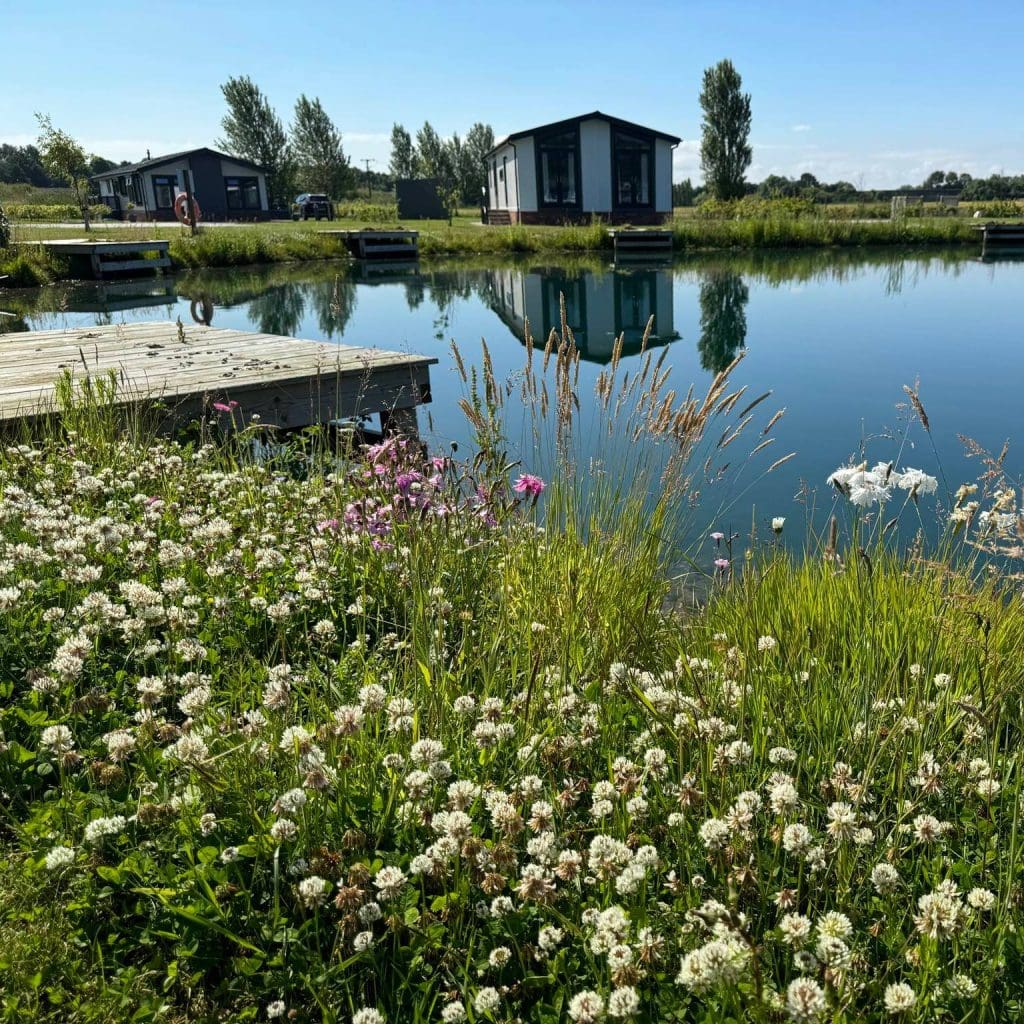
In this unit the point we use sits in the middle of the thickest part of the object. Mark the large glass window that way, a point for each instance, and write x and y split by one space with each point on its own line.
558 160
634 170
163 190
243 193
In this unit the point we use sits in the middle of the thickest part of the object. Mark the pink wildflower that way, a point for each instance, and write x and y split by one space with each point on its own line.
717 536
722 563
529 484
228 406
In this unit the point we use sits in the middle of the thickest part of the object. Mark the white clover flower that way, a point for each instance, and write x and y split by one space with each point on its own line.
368 1015
57 738
796 838
939 915
767 643
835 924
99 828
795 929
454 1012
499 956
842 820
899 997
486 1000
549 938
59 857
586 1007
961 986
781 755
805 1001
389 882
885 878
987 789
778 522
623 1002
723 960
714 833
276 1009
981 899
833 952
313 891
291 802
501 906
283 828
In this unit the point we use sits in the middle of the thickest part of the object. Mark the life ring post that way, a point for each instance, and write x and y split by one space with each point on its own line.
191 205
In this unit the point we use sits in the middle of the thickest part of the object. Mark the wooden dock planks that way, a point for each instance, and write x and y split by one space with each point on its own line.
286 382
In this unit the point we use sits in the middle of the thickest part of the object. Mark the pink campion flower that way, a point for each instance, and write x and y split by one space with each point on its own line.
327 524
228 406
722 563
529 484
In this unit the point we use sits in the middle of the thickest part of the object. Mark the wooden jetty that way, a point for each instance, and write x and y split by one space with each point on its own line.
1000 238
286 382
384 244
641 243
102 258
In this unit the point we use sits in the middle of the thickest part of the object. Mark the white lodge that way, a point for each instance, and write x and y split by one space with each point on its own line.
592 165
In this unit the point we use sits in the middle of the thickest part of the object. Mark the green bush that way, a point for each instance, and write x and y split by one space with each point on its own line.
755 207
54 212
373 213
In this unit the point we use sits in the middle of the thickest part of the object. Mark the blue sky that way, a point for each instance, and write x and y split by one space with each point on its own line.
875 93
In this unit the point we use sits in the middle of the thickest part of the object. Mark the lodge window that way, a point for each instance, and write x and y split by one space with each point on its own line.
633 170
163 190
504 176
558 169
243 193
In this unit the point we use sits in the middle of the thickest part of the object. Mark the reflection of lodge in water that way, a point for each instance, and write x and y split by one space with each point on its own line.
598 307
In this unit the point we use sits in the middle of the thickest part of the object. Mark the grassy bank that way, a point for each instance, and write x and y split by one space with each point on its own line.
221 246
345 737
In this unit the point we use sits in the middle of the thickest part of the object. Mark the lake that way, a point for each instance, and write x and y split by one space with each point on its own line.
833 335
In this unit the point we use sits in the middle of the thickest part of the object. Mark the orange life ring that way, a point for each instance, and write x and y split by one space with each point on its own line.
181 210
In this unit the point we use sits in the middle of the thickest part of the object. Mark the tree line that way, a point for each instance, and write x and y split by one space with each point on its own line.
24 165
459 165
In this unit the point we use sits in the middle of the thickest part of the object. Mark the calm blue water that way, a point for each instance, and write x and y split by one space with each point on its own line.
834 336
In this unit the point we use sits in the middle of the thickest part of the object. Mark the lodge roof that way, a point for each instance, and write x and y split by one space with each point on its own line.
168 158
595 115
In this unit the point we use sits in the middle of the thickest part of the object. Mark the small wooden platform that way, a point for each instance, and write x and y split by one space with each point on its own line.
111 257
285 381
380 245
641 243
1001 238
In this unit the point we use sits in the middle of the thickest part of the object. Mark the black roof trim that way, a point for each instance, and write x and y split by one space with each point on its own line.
157 161
595 115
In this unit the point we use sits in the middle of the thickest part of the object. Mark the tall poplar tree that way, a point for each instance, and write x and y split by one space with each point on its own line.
725 153
403 153
316 148
253 131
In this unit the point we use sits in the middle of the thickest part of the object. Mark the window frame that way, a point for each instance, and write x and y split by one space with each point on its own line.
168 181
241 182
651 148
574 149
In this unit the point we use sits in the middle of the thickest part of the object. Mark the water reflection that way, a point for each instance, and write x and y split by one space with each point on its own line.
598 306
723 319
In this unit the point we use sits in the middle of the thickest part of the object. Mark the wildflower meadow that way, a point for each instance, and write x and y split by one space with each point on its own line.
368 734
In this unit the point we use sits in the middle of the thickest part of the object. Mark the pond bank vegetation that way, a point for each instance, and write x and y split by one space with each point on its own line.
365 735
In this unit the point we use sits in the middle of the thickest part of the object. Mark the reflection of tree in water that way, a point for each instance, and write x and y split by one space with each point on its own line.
723 318
279 310
334 302
414 292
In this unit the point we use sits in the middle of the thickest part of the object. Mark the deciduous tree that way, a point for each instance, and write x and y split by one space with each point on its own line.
316 147
479 142
403 153
253 131
65 159
725 152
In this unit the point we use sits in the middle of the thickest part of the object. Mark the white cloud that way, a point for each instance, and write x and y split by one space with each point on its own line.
800 128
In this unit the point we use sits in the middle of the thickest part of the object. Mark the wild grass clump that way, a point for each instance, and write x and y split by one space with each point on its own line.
368 735
231 247
30 267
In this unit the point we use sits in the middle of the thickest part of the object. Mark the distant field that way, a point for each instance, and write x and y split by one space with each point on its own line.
31 195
